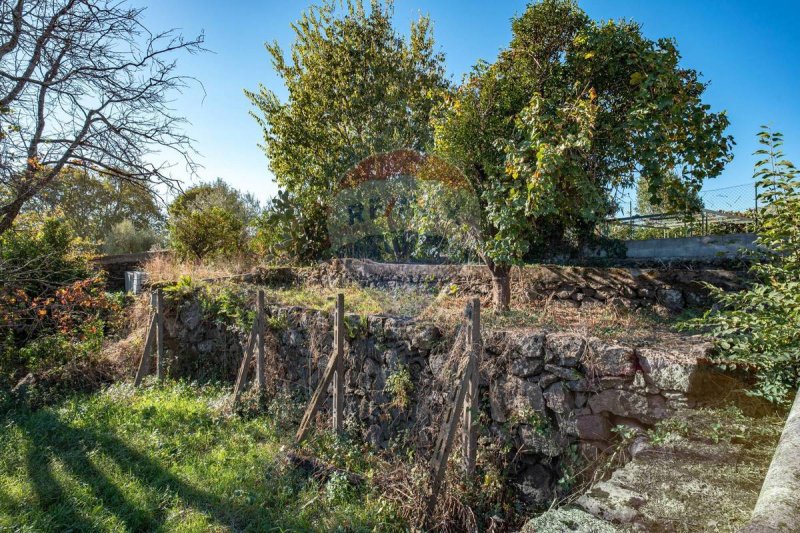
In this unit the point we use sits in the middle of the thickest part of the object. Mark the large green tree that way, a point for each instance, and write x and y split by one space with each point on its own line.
572 111
355 88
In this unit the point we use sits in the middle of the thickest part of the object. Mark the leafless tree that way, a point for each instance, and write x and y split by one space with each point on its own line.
84 83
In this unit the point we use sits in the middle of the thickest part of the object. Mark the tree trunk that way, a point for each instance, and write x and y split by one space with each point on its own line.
501 287
8 213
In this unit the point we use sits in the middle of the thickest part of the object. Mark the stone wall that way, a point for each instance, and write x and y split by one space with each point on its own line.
673 289
115 266
541 392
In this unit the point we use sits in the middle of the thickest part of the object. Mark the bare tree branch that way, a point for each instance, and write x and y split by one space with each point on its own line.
84 83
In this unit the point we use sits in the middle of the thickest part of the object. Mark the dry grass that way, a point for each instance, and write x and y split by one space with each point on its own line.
166 268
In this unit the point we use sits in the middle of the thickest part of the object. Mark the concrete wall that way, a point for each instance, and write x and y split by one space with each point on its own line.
692 248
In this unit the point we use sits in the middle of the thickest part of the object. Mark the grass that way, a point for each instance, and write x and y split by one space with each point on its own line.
167 459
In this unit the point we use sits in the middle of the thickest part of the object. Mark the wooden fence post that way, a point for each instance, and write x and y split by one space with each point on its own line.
144 363
444 443
471 405
159 305
259 327
338 377
334 372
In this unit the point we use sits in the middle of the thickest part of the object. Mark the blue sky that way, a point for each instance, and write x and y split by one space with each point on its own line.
747 50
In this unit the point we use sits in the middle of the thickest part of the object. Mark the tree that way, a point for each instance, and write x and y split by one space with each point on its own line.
677 197
211 220
356 88
126 238
570 112
93 205
84 84
757 328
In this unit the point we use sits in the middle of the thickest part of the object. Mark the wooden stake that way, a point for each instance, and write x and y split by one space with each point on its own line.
144 364
259 328
471 405
335 366
444 444
241 378
338 377
159 306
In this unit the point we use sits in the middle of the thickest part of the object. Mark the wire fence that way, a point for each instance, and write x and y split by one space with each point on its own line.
725 210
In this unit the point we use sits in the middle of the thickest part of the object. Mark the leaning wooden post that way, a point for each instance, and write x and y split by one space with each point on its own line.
144 363
159 305
471 406
259 328
338 377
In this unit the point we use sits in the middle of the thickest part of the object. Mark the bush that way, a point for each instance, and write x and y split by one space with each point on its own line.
757 329
53 308
211 221
126 238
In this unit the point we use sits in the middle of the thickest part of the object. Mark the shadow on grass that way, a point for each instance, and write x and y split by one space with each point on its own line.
51 440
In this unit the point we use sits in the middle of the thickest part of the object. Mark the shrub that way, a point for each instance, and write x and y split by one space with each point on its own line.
126 238
211 221
757 328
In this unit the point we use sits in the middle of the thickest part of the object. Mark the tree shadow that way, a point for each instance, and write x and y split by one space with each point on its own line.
51 439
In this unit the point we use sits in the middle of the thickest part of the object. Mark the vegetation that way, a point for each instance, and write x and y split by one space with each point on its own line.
572 110
106 213
87 86
167 459
757 329
356 88
211 221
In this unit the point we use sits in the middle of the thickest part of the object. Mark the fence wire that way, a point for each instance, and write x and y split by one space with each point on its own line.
725 210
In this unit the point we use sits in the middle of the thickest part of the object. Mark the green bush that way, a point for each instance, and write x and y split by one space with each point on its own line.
757 329
211 221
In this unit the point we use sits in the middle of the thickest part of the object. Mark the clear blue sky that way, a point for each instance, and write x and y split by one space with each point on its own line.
748 50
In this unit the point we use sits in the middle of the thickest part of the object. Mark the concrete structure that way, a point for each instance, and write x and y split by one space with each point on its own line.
709 247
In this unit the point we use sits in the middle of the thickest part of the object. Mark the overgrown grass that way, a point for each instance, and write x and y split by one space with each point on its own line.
165 459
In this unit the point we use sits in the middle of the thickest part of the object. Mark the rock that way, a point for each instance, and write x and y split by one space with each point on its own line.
593 427
424 337
191 314
522 397
565 349
611 359
620 403
558 398
663 373
206 346
564 519
545 380
374 435
672 299
535 486
611 502
567 374
657 407
527 359
497 405
539 441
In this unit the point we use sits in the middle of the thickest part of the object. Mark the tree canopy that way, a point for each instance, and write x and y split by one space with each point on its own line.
355 88
572 112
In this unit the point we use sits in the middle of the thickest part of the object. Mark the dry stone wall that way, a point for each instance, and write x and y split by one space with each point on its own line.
542 393
673 289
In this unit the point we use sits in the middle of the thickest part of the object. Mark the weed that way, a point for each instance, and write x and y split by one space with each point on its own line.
400 387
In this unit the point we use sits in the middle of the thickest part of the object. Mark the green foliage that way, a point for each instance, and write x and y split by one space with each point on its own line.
125 238
756 329
222 303
288 231
356 88
570 112
165 459
400 387
53 308
93 205
211 221
38 256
